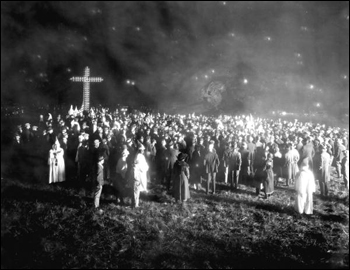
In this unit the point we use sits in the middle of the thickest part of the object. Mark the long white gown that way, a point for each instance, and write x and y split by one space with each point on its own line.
305 187
141 168
57 167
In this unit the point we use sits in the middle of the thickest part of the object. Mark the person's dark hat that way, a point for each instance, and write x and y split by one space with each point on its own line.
181 156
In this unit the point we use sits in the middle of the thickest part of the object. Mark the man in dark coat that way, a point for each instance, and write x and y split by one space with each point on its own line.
172 157
234 166
211 164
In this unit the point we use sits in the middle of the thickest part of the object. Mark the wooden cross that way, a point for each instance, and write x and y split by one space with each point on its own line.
86 86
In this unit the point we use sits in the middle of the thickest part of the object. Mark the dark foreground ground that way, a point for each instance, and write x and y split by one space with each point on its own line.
54 226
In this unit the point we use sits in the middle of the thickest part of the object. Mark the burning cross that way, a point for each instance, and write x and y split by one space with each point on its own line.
86 86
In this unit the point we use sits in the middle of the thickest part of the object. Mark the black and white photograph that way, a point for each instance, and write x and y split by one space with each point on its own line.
175 134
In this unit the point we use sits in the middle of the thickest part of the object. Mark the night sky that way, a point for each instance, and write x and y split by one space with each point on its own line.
268 55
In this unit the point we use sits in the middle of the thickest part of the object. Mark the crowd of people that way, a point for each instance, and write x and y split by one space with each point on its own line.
130 149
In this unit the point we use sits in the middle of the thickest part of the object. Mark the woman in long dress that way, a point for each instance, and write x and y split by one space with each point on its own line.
57 171
181 177
304 187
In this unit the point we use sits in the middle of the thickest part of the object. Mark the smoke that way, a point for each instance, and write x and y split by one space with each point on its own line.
268 54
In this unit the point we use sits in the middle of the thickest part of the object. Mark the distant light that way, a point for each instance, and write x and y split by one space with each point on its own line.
232 34
311 86
68 70
283 113
132 83
39 56
128 82
318 104
224 3
212 71
347 17
268 38
138 29
206 76
85 38
196 78
245 81
298 55
345 77
113 28
304 28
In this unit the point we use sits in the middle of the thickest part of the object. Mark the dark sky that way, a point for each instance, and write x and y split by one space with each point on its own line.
274 55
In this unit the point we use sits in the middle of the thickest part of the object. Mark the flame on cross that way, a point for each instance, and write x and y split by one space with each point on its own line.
86 86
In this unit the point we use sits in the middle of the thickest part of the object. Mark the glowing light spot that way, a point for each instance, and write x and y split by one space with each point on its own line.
224 3
132 83
138 28
232 34
206 76
268 38
304 28
311 86
298 55
212 71
245 81
128 81
39 56
113 28
85 38
318 104
196 78
68 70
345 77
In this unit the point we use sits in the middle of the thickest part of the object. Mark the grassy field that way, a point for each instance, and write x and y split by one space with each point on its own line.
54 226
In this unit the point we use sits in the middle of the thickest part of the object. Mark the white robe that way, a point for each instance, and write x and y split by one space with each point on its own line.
140 171
305 187
57 169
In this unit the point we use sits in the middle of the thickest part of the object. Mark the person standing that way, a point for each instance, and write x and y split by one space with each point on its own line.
196 168
278 164
181 191
211 164
98 182
345 168
338 156
245 174
172 154
139 176
304 187
57 171
119 181
234 166
291 164
322 165
307 152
